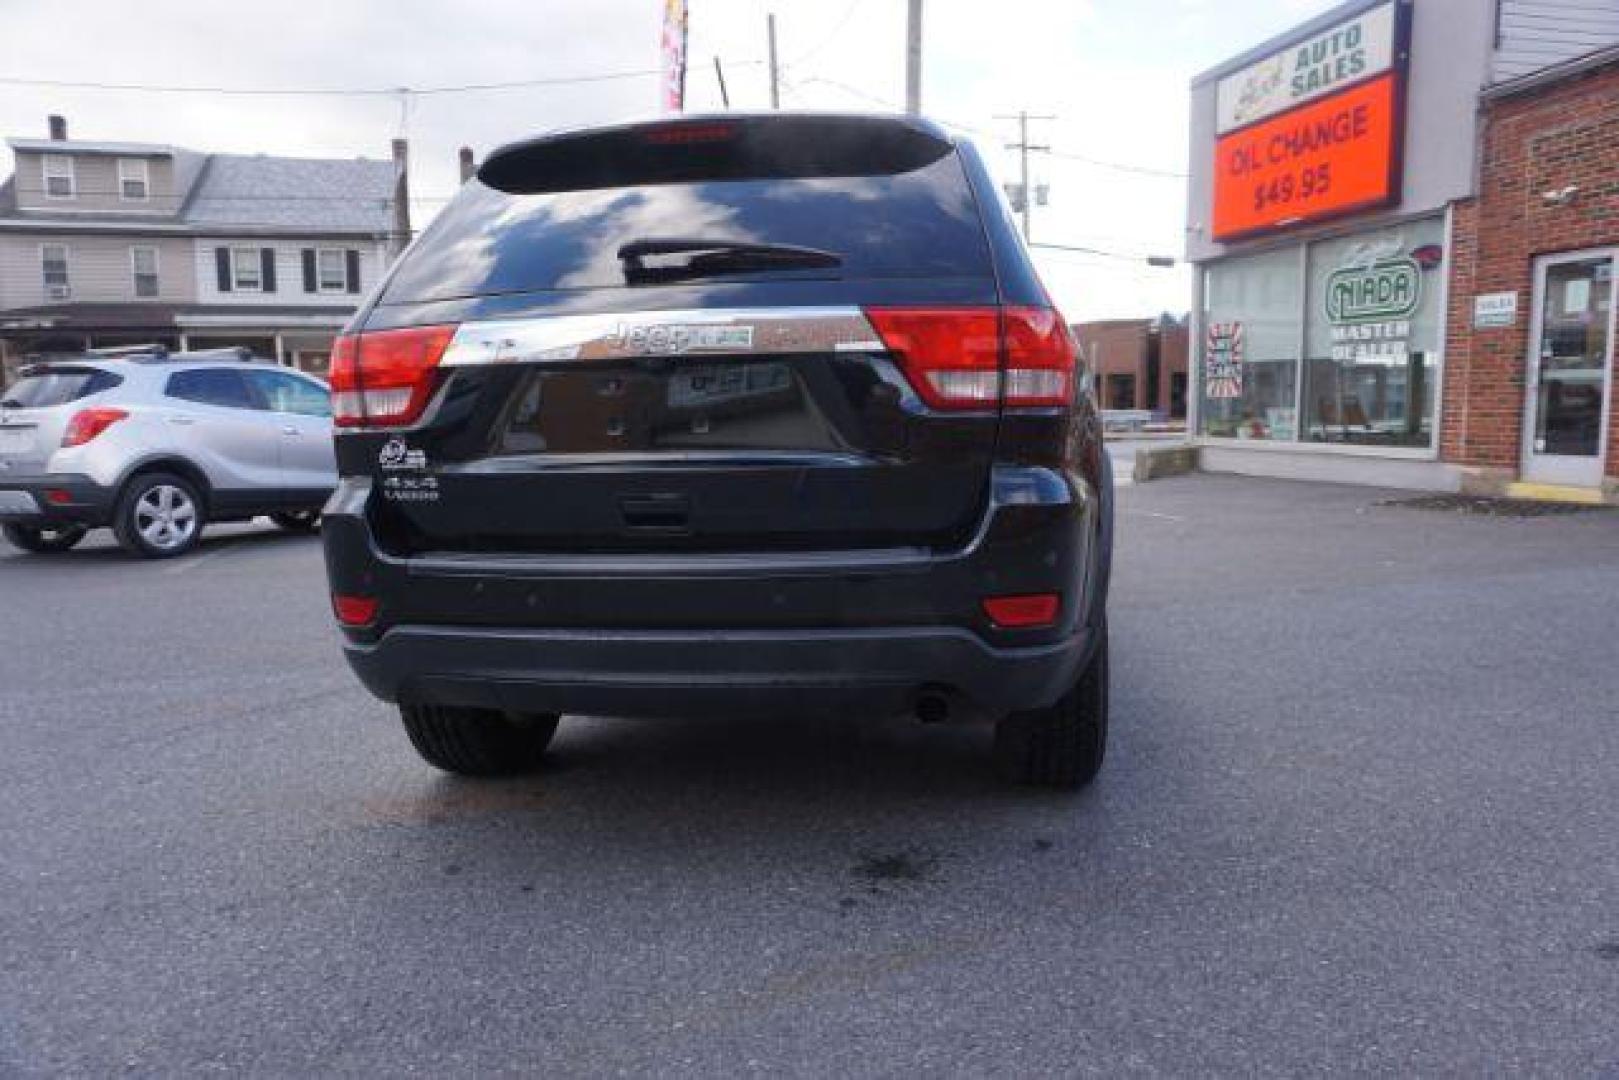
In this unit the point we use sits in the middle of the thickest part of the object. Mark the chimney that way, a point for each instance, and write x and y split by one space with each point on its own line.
468 166
58 128
401 152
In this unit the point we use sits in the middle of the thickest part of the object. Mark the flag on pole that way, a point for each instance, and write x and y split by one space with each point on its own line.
674 55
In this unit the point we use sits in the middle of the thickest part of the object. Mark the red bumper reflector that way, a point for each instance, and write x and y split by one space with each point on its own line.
354 610
1023 612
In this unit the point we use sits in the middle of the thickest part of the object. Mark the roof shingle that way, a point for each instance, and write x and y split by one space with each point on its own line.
296 194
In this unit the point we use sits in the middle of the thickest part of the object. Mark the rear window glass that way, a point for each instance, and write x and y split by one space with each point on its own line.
43 389
919 223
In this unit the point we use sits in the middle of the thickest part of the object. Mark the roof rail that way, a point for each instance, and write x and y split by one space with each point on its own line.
226 352
114 351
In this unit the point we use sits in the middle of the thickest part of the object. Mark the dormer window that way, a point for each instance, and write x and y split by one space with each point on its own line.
58 176
133 180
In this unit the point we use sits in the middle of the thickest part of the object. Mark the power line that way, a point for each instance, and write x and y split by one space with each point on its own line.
1156 261
984 133
1142 170
337 91
837 28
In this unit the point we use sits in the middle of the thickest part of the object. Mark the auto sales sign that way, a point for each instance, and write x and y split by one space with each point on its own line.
1314 129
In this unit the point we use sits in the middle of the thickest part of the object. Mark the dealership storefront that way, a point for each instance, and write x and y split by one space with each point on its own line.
1337 213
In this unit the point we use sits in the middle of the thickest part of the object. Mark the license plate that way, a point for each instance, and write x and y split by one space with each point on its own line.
17 502
712 385
16 440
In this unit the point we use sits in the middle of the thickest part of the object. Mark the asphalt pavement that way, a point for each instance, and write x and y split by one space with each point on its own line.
1360 815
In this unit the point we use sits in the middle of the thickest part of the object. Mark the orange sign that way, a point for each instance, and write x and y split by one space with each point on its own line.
1331 156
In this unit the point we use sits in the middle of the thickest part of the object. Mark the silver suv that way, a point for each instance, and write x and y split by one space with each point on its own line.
157 444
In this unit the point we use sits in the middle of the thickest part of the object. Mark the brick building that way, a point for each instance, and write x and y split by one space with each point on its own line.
1544 230
1140 364
1404 226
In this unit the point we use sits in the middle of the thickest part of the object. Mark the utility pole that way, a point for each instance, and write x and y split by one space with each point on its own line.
775 78
1025 194
913 58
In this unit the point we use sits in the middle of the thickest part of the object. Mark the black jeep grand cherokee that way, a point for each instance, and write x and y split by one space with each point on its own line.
742 414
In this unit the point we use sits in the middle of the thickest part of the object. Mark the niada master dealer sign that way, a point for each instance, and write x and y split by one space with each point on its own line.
1314 129
1369 308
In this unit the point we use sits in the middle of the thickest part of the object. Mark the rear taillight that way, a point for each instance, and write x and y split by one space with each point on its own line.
952 356
1040 357
384 378
88 423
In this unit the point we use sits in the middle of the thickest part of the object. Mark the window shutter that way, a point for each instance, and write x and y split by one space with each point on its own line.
310 285
222 264
267 261
353 260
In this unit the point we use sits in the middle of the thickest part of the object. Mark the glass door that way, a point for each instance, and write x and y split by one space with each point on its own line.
1570 370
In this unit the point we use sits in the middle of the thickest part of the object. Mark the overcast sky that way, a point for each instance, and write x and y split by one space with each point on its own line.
1114 72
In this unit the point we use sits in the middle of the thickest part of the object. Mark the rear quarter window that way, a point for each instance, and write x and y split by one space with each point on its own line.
223 389
37 389
921 222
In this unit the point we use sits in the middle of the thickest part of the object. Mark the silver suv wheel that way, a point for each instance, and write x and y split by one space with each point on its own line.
166 517
159 515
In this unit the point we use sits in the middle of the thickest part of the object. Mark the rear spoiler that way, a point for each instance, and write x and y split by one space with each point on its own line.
773 146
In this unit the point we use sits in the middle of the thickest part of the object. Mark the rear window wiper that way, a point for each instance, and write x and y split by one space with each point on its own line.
707 257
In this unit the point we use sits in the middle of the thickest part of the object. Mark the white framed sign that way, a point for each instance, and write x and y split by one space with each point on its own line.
1498 309
1345 53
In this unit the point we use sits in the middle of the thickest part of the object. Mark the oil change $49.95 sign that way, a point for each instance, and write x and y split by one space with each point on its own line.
1328 157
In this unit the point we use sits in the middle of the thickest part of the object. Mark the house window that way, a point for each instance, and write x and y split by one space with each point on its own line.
53 261
332 264
143 263
247 269
58 176
133 179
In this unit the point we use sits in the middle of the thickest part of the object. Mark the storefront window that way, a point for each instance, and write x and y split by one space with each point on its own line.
1252 324
1372 348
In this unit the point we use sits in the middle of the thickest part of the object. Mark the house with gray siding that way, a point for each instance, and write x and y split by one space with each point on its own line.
120 243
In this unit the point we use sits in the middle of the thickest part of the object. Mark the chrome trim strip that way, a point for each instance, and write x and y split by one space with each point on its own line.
625 335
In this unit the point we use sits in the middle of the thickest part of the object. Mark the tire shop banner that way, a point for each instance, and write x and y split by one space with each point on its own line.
1315 129
1222 361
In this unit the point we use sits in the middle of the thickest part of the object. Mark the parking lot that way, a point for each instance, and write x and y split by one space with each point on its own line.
1359 815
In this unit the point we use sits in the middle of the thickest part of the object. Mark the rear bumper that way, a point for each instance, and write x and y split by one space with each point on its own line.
703 673
748 633
54 499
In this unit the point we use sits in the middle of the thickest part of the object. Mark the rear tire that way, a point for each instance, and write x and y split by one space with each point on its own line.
1061 746
159 516
44 540
478 742
297 521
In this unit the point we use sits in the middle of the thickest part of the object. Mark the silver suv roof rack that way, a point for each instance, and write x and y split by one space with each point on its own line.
227 352
121 351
